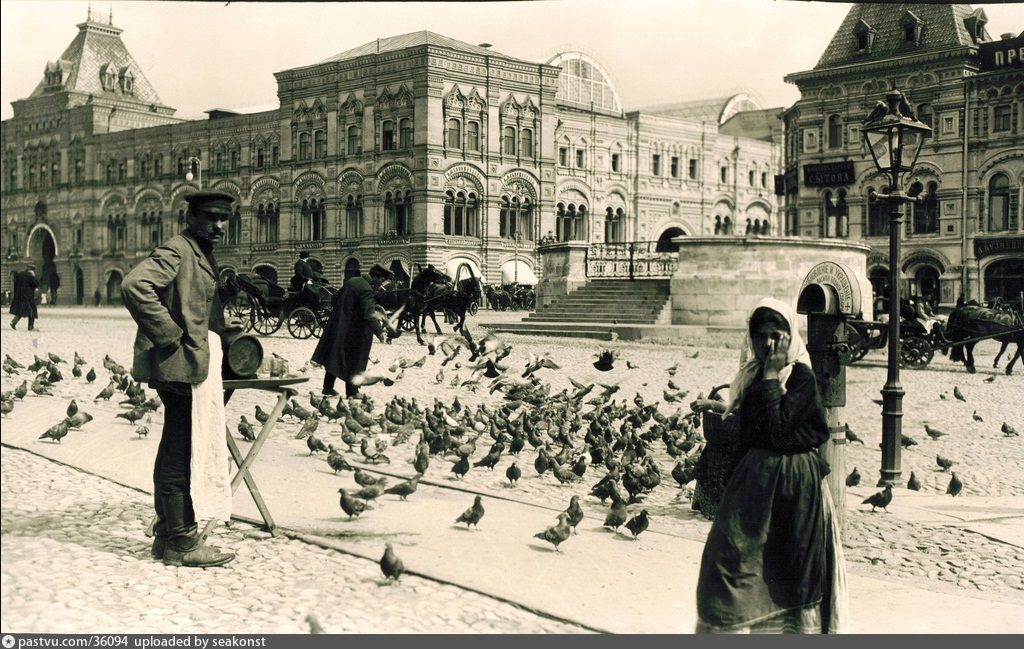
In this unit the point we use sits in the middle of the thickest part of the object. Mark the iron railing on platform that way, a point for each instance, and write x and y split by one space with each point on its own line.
632 260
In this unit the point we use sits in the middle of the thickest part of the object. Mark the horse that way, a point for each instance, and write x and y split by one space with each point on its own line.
456 300
439 291
969 322
431 285
392 295
498 298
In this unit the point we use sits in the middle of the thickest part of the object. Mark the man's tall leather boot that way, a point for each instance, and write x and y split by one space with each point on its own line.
183 547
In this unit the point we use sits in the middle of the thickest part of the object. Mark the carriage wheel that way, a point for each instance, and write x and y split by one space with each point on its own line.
265 323
915 352
302 323
240 308
407 323
855 348
473 308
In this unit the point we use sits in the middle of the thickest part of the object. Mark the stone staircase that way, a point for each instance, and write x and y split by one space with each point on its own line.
600 306
610 301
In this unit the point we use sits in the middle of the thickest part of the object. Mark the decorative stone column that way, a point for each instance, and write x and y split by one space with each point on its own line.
564 270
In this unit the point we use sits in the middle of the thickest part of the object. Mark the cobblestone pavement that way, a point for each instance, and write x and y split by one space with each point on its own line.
988 462
72 563
931 555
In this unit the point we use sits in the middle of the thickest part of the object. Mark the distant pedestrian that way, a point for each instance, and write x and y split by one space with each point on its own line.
172 296
23 303
344 347
960 301
773 558
97 297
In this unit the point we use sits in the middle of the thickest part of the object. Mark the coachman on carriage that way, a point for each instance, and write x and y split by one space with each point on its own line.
264 306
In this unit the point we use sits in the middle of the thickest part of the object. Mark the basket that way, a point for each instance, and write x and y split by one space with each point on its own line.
719 430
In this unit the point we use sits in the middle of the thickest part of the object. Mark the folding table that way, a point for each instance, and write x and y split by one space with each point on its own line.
244 464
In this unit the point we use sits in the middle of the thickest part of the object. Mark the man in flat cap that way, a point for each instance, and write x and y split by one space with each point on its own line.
172 296
344 347
23 303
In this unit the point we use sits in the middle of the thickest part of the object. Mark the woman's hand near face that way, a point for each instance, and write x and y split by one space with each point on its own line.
776 358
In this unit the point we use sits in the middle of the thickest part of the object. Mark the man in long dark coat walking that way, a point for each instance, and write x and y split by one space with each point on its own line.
344 347
23 304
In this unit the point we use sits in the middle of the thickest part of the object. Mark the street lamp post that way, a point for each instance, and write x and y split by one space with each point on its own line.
895 138
199 171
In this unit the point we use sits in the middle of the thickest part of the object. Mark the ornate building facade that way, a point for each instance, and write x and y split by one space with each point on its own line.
965 234
408 150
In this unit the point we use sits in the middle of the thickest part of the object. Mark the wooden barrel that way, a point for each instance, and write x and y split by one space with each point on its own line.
243 355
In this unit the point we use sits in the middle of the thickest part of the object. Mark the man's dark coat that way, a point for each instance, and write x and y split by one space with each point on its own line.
23 302
344 347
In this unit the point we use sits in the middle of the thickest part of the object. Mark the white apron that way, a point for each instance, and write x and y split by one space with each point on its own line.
211 479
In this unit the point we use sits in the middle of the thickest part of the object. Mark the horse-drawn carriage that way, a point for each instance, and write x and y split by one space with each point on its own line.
430 291
264 307
963 329
511 297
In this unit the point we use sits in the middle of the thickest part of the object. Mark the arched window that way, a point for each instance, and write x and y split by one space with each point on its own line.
931 208
614 225
397 213
304 147
353 217
234 233
405 133
842 215
460 214
472 136
878 223
354 145
516 218
305 220
454 134
926 212
261 224
387 138
218 162
509 141
526 148
273 222
318 212
835 132
320 144
999 203
828 216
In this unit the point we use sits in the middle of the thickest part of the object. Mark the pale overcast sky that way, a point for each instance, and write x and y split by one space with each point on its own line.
201 55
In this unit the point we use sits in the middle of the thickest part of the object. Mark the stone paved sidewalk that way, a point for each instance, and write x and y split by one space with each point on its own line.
75 561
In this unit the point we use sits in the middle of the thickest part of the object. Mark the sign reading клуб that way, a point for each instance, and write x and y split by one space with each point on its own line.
829 174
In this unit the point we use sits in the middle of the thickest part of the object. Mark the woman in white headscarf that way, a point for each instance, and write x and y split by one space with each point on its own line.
770 563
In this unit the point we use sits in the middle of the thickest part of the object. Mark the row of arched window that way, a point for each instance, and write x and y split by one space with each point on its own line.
514 141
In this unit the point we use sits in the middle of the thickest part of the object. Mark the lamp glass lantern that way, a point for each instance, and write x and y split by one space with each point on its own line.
894 138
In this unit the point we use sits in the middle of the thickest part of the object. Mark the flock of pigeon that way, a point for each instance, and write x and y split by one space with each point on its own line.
572 433
47 373
954 488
